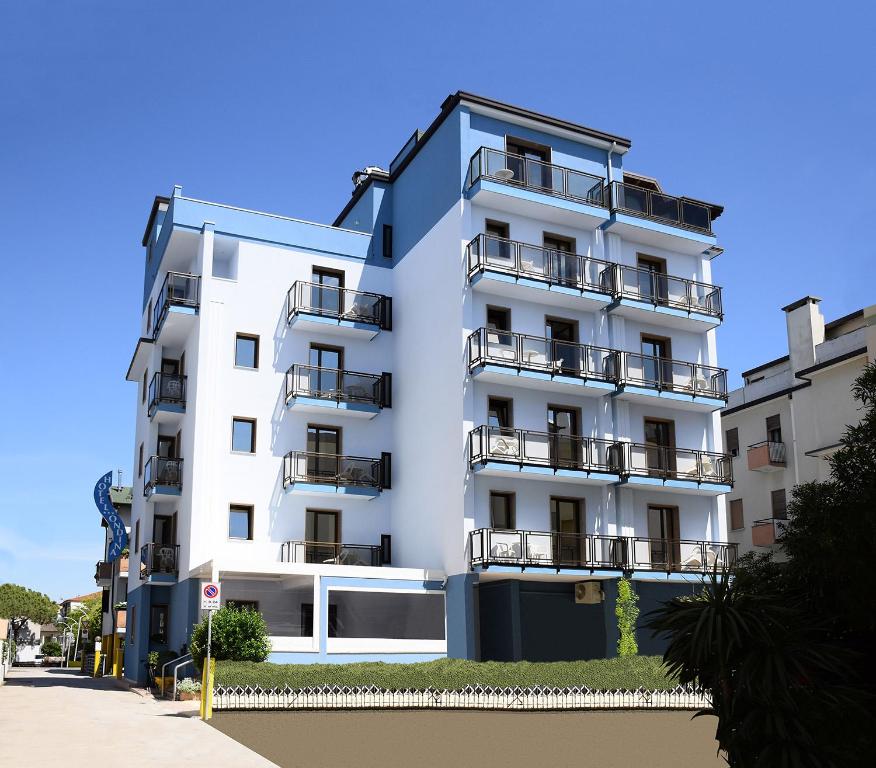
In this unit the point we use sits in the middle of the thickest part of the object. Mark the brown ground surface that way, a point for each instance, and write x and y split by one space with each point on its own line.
445 739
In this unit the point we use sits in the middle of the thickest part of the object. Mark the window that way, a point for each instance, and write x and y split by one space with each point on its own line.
656 360
663 527
322 525
653 285
731 440
390 615
326 293
306 617
774 429
243 605
140 461
145 385
737 520
562 261
566 448
246 351
243 435
497 229
778 503
137 536
158 624
387 241
528 150
499 318
149 318
499 413
240 522
133 627
566 515
323 378
498 251
502 510
323 447
163 530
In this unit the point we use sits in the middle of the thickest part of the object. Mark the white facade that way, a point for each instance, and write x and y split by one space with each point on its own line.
790 414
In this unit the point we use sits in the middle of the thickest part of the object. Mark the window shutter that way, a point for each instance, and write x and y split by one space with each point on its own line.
737 519
779 505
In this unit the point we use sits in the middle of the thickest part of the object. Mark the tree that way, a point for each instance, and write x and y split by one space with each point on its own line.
239 634
89 617
20 605
785 648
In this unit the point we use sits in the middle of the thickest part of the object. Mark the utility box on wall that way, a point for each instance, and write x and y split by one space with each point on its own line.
588 592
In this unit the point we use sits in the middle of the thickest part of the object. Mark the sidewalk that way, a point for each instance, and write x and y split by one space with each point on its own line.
60 715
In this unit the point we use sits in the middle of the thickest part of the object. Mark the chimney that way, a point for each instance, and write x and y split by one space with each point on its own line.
805 331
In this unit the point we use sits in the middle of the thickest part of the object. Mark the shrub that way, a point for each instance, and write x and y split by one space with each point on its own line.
627 612
51 647
187 685
238 635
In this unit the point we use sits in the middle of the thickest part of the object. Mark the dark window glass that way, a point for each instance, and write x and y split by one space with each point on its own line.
502 511
774 429
499 413
737 520
732 441
387 241
239 522
158 624
391 615
246 351
499 318
322 525
779 504
243 435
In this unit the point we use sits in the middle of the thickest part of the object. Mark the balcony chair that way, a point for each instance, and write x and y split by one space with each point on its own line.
361 308
504 446
169 475
166 559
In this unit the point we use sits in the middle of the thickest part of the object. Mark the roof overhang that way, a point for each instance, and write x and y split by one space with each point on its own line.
140 359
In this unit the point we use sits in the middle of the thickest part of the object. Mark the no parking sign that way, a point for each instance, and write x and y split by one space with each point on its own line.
210 596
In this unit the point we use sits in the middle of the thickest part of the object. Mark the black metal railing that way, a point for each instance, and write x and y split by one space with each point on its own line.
536 175
162 471
775 451
103 571
330 552
663 373
167 389
666 290
535 353
179 289
332 469
528 447
534 262
556 550
650 204
670 463
334 384
158 558
339 303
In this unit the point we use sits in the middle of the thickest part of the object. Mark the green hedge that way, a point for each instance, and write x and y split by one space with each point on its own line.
629 672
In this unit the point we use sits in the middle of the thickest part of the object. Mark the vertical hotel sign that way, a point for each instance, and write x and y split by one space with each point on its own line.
108 512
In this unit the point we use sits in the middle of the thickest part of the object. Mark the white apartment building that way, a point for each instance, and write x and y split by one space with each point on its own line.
787 419
447 423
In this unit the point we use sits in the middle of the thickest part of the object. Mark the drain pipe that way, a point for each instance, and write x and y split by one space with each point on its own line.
611 150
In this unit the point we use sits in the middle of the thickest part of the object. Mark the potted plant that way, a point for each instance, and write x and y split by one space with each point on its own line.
188 689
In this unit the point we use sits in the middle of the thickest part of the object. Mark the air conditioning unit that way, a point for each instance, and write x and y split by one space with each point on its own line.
588 592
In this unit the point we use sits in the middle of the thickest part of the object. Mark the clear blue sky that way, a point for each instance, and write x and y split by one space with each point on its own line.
767 108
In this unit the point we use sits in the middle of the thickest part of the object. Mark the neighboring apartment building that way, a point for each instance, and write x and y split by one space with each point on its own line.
443 425
112 577
787 419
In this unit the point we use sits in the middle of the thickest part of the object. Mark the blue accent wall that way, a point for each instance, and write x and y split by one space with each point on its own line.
461 616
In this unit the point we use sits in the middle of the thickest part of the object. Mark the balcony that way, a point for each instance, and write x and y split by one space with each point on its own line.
162 477
313 389
676 302
503 357
680 470
765 533
490 547
309 473
543 455
678 383
655 218
167 396
766 456
340 311
512 183
159 563
532 273
103 574
327 553
177 303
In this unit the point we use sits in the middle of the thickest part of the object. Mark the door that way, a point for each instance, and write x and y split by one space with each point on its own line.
563 437
567 524
565 352
326 293
163 539
653 285
657 362
323 535
562 260
324 378
323 448
660 447
663 530
529 163
166 447
171 380
498 249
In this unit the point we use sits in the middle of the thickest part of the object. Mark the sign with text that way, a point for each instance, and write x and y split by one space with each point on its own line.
210 596
113 519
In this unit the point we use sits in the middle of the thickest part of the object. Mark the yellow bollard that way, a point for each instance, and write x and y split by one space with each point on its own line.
207 690
119 663
96 671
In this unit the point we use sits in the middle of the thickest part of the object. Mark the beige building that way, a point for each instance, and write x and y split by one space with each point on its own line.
787 419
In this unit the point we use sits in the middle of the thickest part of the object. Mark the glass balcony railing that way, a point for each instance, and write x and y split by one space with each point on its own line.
666 290
335 385
166 389
533 262
159 558
670 463
332 469
528 447
322 552
664 374
556 550
517 350
535 175
177 290
658 206
339 303
162 471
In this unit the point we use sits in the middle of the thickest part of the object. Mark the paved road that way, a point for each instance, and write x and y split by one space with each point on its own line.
57 717
446 739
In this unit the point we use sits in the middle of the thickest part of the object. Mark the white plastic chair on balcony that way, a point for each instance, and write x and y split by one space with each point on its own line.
496 348
502 445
